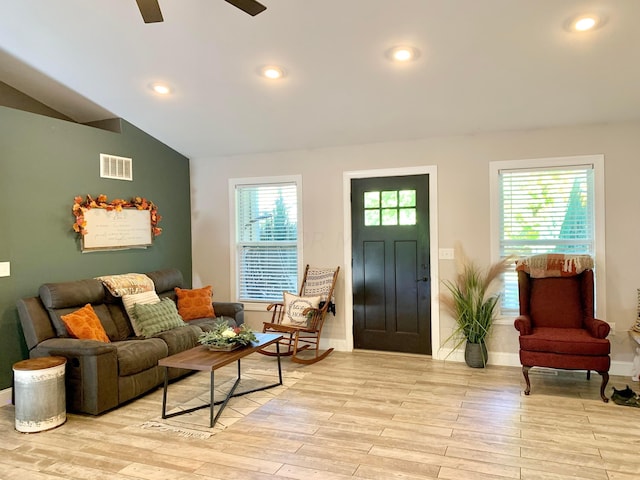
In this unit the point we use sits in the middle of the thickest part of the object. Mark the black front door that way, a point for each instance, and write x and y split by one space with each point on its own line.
391 264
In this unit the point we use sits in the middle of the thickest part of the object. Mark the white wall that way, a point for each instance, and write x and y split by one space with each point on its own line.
463 202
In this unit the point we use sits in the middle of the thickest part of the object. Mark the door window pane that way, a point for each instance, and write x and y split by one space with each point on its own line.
390 207
389 199
407 198
371 199
389 216
372 217
407 216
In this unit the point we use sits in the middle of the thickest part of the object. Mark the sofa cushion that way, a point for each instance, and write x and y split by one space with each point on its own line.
104 314
135 356
65 297
166 280
181 338
85 324
208 324
121 321
195 303
101 311
157 317
571 341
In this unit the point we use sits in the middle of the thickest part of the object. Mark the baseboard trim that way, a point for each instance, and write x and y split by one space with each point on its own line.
623 369
339 345
6 396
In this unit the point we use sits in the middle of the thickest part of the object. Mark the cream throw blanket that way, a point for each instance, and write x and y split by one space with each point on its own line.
127 283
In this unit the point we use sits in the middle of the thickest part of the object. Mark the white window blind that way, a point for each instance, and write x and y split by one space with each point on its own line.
266 240
546 210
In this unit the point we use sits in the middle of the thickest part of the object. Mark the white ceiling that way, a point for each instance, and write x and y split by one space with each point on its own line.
486 65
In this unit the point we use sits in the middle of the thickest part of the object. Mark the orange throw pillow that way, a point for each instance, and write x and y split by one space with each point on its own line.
85 324
195 303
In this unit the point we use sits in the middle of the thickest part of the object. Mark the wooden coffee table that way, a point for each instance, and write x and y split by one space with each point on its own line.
202 359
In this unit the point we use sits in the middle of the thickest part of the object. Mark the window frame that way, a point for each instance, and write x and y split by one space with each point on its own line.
597 161
258 305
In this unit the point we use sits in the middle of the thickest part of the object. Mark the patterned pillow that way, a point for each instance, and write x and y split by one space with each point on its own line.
196 303
130 300
127 283
158 317
85 324
294 306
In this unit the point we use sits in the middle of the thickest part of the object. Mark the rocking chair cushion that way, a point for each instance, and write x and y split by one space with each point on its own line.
294 305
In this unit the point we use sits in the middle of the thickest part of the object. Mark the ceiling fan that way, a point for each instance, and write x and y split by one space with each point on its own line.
150 9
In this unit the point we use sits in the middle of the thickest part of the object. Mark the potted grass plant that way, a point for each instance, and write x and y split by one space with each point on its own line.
471 299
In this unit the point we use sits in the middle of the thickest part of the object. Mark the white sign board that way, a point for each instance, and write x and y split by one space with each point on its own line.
116 230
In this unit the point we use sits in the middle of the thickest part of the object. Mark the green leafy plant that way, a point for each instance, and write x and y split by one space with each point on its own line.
471 301
223 335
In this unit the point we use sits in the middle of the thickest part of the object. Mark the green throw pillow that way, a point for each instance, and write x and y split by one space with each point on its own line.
157 317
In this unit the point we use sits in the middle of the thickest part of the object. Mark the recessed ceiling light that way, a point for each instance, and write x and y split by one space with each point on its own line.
402 53
160 88
584 23
272 72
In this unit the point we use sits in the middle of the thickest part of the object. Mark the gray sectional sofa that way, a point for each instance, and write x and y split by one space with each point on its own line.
101 376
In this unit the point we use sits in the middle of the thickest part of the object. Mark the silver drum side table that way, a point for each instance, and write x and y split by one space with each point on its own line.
39 393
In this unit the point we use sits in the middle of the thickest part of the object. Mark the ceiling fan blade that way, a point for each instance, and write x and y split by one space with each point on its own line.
249 6
150 10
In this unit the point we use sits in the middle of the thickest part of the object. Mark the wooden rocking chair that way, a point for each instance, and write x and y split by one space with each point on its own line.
300 318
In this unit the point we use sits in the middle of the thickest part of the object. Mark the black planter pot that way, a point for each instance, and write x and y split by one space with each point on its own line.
476 355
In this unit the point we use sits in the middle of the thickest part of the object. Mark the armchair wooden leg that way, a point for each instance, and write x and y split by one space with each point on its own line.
525 372
603 385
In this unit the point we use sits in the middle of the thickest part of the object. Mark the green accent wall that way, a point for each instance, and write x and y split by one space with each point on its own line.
46 162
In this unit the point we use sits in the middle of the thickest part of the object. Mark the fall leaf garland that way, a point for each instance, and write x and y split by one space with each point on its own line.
81 205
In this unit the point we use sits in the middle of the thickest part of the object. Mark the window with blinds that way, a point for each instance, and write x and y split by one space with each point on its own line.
267 240
544 210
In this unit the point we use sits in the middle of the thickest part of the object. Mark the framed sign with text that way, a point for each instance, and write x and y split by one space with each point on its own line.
115 225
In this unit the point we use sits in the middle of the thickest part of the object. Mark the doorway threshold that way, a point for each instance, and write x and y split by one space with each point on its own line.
385 352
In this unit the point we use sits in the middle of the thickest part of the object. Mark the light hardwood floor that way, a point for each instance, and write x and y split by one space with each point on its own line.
363 415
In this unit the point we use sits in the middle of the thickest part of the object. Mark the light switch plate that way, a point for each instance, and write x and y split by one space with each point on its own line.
5 269
445 253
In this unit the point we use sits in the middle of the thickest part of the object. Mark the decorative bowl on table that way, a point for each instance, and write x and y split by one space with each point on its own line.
224 338
225 348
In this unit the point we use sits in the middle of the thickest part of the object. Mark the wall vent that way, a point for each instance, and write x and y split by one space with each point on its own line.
119 168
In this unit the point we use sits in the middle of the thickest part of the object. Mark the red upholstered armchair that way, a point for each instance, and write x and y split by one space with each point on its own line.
556 323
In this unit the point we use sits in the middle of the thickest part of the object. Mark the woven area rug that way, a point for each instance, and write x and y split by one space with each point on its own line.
196 424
